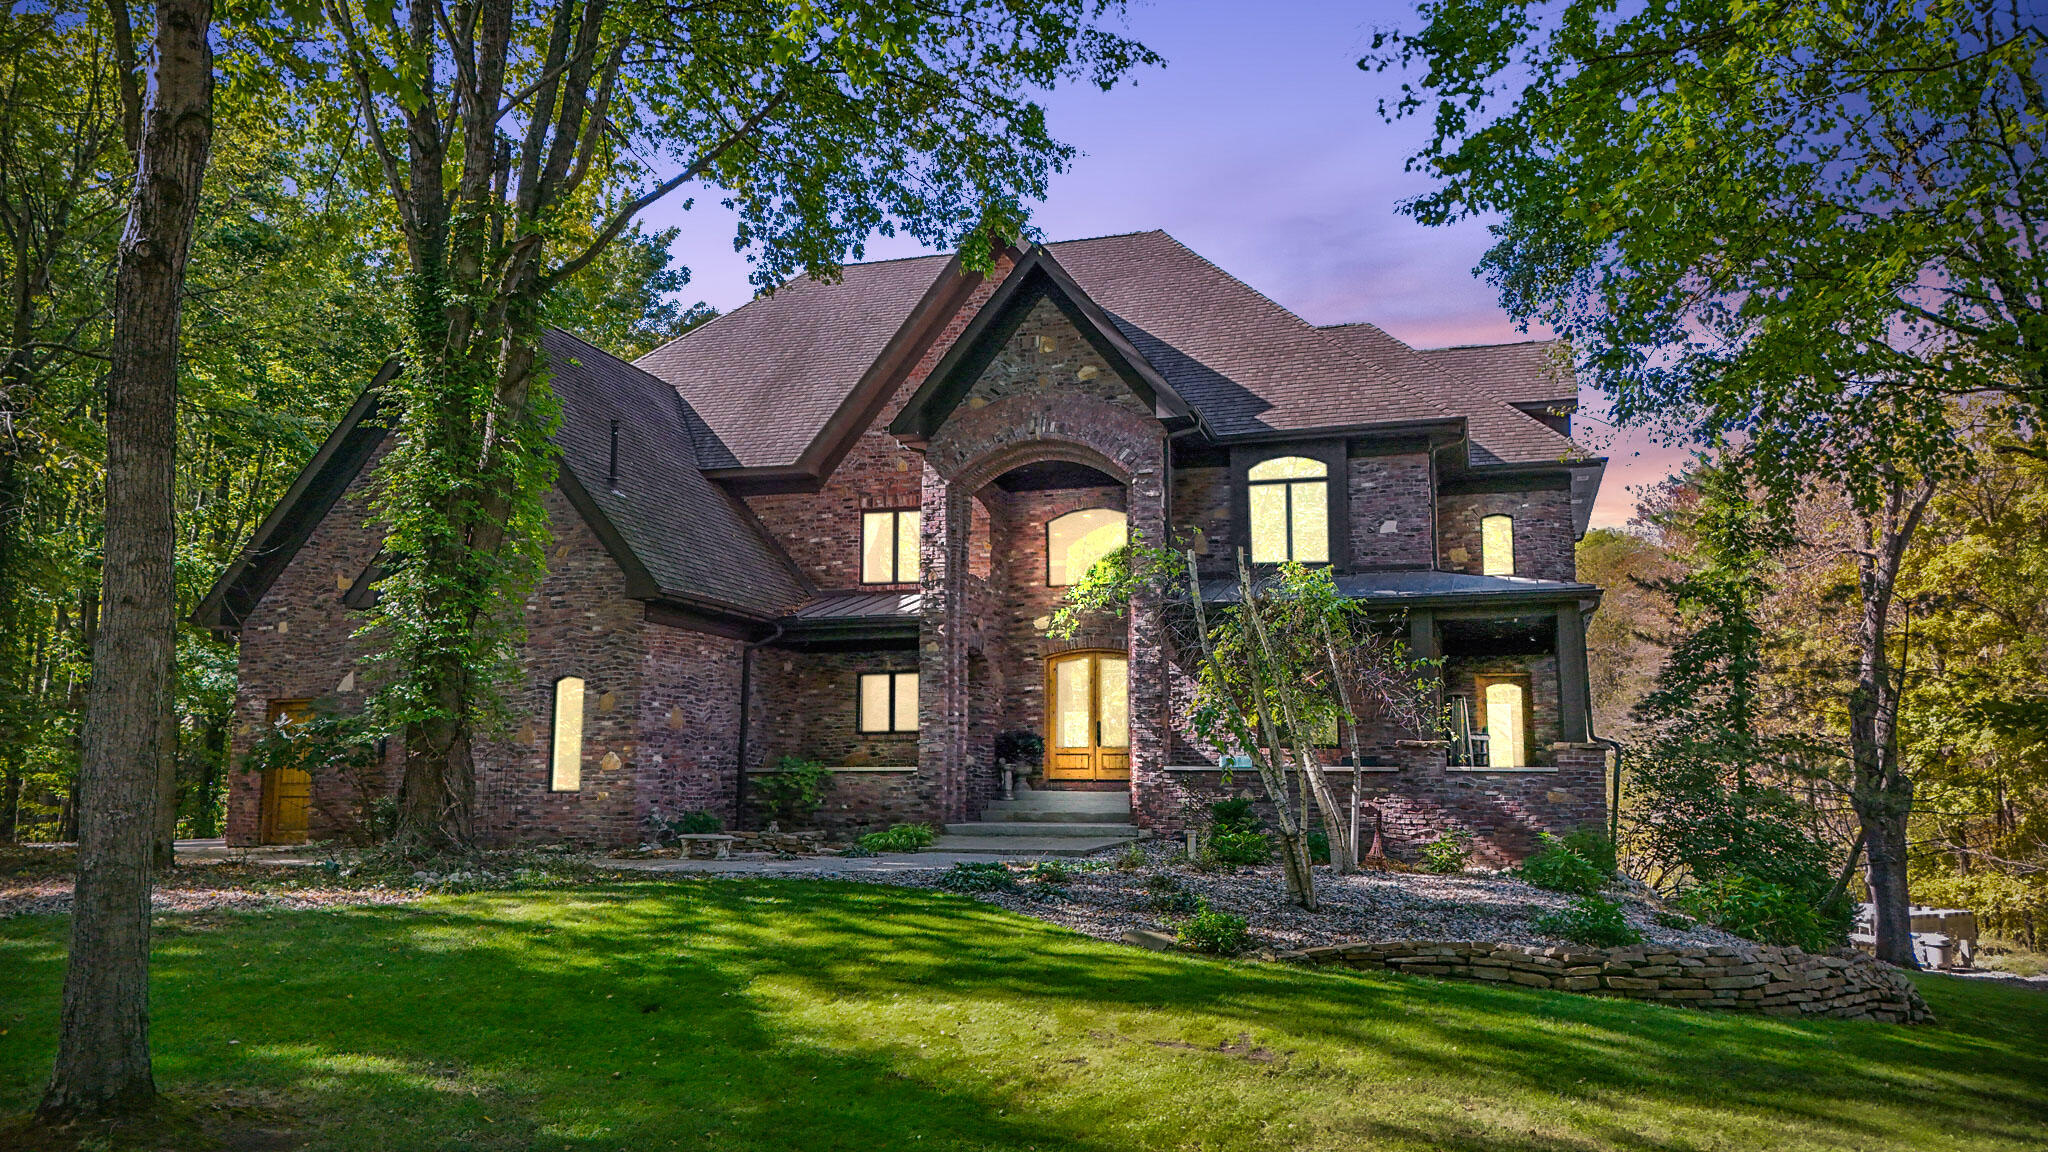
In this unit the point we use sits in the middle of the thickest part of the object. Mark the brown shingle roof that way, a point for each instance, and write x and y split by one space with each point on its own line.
1500 433
1525 372
766 376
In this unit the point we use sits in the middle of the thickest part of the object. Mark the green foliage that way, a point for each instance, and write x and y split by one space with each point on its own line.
662 828
1237 848
1213 932
332 747
1053 872
1590 920
1447 854
1673 921
793 788
1318 846
1234 815
1768 913
1174 903
1132 858
1591 845
977 876
1560 869
899 838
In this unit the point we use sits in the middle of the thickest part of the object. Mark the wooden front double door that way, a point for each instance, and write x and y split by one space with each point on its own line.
1088 716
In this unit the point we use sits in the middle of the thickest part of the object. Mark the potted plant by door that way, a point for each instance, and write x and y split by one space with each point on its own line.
1019 752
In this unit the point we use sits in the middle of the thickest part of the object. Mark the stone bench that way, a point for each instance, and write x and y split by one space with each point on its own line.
719 842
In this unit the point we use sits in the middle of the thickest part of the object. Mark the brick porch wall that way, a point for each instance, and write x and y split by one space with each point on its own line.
1543 531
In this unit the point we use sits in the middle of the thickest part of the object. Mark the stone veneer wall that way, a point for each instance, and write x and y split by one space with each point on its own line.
1776 981
1504 810
1393 508
1544 534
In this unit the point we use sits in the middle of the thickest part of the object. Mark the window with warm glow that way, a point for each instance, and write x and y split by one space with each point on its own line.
888 547
565 763
1504 704
1074 542
1497 546
888 702
1289 500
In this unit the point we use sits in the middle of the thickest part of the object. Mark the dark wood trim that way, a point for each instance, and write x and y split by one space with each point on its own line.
672 615
1574 689
1331 454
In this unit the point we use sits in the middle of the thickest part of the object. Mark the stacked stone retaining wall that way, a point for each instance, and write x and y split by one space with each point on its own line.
1776 981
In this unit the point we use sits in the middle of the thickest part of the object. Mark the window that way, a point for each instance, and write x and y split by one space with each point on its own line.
1497 546
1504 717
565 764
1074 542
888 702
888 547
1289 499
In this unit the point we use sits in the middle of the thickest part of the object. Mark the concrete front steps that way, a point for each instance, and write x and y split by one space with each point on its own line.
1045 823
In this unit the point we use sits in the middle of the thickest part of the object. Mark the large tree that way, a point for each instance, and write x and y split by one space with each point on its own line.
517 139
103 1040
1810 226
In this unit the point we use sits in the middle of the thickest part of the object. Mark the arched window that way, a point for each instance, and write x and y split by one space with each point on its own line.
1497 546
1289 499
1074 542
565 762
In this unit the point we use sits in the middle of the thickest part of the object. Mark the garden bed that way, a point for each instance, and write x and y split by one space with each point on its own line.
1104 901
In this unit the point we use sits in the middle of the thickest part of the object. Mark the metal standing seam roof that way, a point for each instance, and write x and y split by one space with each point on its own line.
1413 586
859 606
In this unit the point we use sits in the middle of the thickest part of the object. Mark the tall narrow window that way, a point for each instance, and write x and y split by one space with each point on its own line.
888 547
1504 716
1497 546
1289 499
1074 542
888 702
565 764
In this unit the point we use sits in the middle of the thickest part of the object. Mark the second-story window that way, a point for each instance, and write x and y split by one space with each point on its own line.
1289 500
888 547
1074 542
1497 546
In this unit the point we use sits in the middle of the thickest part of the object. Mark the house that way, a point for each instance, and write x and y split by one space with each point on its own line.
833 524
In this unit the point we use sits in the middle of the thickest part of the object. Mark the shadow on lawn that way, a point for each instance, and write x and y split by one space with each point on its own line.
648 1015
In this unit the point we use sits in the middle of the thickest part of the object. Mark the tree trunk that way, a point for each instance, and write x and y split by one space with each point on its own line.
102 1062
1880 790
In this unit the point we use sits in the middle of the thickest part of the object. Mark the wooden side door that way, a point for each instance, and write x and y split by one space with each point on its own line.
1087 716
287 792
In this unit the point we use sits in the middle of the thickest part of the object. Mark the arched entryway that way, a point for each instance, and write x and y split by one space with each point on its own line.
1088 716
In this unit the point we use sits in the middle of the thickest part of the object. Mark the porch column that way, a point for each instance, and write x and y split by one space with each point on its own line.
1145 641
1574 692
1423 645
942 696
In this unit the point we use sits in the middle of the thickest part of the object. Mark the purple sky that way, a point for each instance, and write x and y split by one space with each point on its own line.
1260 146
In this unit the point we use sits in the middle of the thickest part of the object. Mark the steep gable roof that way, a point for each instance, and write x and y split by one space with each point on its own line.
691 540
1525 373
677 536
769 376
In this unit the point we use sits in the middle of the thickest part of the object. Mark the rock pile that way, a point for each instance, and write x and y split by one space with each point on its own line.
1778 981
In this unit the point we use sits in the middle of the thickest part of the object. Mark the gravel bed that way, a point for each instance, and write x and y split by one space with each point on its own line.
53 898
1105 902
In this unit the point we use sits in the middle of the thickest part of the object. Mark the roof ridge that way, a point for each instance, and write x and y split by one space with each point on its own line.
1473 347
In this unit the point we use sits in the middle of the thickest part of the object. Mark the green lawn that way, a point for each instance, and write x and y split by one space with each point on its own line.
797 1015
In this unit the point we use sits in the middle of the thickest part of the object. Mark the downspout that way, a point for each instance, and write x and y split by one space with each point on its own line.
739 783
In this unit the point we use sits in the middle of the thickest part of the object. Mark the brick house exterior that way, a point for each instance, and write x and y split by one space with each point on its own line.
712 595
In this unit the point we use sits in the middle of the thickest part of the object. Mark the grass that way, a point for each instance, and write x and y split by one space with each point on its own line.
773 1014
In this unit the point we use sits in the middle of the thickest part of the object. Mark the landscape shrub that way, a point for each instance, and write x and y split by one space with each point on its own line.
1131 858
793 789
1162 882
1318 846
1174 903
1051 872
1448 853
1233 848
1213 932
1560 869
899 838
1591 844
979 876
662 828
1767 913
1234 815
1592 921
1674 921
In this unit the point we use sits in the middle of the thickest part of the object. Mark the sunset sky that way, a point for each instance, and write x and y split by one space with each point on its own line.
1260 146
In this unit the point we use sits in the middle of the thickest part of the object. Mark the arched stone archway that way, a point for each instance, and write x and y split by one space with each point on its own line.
971 450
